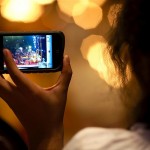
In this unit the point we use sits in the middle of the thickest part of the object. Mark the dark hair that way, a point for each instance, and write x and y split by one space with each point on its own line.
131 30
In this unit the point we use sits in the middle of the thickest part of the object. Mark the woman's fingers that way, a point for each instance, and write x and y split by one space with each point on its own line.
6 89
17 76
66 73
1 76
27 86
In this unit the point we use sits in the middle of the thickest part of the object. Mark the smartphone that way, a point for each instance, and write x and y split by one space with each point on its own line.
34 51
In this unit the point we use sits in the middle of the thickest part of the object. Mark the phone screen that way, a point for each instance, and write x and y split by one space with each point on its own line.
35 52
30 51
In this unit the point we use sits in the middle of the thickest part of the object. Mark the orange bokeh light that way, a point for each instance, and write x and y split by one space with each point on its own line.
98 2
94 50
21 10
44 2
87 15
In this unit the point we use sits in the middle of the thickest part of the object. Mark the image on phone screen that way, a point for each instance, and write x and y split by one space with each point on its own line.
30 51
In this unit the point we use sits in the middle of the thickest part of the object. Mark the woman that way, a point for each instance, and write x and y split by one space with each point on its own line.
128 47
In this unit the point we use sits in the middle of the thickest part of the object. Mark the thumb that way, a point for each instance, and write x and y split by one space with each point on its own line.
66 73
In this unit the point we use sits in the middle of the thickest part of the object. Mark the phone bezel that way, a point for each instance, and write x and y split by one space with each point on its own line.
58 43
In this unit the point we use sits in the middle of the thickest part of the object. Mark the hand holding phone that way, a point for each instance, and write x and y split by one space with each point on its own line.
34 51
40 110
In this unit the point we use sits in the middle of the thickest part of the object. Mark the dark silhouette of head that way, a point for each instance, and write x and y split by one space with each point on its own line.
129 45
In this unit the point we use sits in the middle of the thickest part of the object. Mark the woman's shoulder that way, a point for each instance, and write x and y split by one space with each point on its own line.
110 138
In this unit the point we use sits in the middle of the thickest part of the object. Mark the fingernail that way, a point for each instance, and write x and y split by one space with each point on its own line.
5 52
67 58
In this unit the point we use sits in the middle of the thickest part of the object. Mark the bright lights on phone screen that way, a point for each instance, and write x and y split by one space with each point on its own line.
30 51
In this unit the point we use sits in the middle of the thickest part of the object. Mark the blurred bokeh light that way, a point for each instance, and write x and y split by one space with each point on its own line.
87 15
94 50
98 2
21 10
44 2
65 8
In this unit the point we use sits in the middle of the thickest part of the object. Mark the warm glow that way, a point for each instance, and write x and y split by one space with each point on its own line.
94 50
1 1
112 14
98 2
21 10
51 19
87 15
44 2
66 6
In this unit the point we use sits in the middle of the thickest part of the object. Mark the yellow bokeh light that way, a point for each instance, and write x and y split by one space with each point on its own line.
44 2
66 6
87 15
112 14
94 50
98 2
21 10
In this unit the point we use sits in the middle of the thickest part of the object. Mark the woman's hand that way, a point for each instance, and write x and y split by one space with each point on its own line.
39 110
